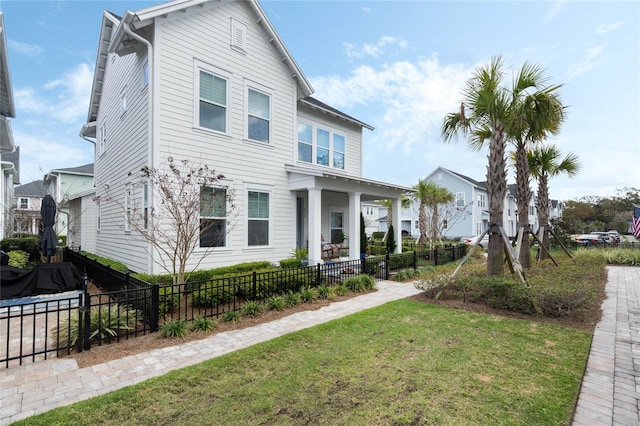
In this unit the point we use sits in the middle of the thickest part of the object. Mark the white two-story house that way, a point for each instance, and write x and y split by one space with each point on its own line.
470 209
211 81
8 173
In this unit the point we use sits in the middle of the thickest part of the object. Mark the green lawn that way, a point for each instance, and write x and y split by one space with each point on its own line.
402 363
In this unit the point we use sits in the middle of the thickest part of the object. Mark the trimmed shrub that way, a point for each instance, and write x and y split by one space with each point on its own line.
290 263
209 295
27 244
18 259
168 299
113 264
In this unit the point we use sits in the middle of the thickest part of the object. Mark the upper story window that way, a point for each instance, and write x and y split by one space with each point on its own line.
145 205
459 199
127 209
259 116
24 204
482 200
101 146
145 74
213 217
123 103
212 101
321 146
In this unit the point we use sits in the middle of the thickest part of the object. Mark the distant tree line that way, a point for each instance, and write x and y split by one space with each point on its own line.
596 213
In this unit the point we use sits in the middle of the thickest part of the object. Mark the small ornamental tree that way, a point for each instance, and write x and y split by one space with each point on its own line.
184 206
363 235
391 240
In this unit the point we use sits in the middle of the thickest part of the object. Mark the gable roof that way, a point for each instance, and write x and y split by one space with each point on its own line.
86 169
321 106
114 37
31 189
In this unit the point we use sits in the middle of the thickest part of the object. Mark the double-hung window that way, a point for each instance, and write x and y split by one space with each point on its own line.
127 210
24 204
305 143
258 218
259 116
213 217
459 199
337 227
212 101
102 139
338 151
145 205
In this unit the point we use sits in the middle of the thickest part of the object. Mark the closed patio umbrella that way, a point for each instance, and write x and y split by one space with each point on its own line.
48 240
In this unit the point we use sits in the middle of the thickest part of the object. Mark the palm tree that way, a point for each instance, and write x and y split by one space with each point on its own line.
428 194
405 201
545 163
539 115
488 112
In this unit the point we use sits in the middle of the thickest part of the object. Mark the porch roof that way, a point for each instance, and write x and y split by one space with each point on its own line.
302 178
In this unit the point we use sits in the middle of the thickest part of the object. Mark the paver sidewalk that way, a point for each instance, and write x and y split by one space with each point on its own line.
610 393
36 388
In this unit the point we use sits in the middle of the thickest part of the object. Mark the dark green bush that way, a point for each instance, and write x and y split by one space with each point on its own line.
28 244
209 295
290 263
169 299
113 264
18 259
377 235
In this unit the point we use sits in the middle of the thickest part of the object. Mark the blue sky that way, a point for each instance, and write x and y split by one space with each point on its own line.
398 66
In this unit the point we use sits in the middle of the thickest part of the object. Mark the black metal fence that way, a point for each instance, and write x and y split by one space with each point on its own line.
127 307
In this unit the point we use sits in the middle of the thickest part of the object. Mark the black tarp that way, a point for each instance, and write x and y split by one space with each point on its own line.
45 278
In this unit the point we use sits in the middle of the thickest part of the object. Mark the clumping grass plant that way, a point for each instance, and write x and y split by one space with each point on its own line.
231 316
173 329
251 309
204 324
276 303
106 324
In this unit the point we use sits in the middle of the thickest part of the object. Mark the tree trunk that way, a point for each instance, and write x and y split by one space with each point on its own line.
496 189
543 212
422 223
434 226
523 196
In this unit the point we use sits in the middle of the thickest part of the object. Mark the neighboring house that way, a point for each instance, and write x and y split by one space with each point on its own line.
81 233
9 176
370 213
408 221
212 82
556 209
65 185
469 211
27 214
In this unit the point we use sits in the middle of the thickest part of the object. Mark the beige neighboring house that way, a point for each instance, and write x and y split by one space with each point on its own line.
212 82
67 186
9 176
28 202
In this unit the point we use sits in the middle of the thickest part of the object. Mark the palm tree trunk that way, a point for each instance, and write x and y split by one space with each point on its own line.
523 196
422 223
543 212
496 189
434 226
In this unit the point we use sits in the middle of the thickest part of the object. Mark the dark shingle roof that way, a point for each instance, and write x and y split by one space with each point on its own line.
87 169
31 189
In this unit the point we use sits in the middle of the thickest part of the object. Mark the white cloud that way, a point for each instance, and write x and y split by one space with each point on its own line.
414 98
603 29
367 9
373 50
590 62
25 49
64 99
554 11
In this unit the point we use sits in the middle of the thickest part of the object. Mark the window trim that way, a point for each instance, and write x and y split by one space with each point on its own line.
269 219
460 198
101 146
333 211
127 209
250 86
225 218
215 72
27 203
314 145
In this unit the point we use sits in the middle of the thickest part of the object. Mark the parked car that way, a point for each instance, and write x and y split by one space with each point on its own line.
608 238
591 239
471 240
615 236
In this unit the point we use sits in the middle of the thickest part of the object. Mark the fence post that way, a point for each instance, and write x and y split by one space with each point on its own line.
386 266
363 264
254 284
155 308
318 274
86 313
126 281
415 260
435 255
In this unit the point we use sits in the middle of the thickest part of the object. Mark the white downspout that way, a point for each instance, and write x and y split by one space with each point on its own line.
127 29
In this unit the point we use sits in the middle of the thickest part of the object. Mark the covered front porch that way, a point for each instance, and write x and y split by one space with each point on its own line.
328 205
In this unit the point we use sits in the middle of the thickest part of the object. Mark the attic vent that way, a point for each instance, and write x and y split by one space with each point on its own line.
238 35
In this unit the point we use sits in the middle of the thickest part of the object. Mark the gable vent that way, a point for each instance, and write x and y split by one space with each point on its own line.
238 35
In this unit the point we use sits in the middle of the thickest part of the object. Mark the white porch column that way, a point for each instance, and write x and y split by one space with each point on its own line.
397 223
354 225
315 225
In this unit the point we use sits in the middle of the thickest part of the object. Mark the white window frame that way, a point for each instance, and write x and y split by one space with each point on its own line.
27 203
460 196
333 240
249 86
224 218
315 129
216 73
101 146
127 209
482 200
267 219
145 205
